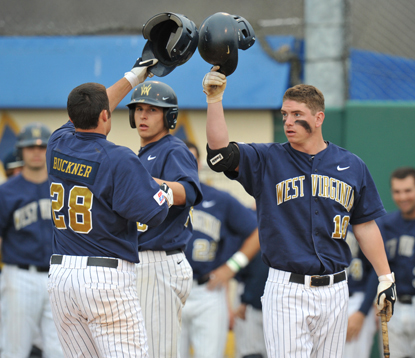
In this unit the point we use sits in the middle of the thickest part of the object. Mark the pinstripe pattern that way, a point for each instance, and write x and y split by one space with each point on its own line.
249 333
26 310
205 322
96 309
163 284
302 321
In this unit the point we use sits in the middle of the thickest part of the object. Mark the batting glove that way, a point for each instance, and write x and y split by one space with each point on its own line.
386 296
168 193
214 84
139 72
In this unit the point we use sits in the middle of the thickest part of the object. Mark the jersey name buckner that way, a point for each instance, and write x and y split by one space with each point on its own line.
321 185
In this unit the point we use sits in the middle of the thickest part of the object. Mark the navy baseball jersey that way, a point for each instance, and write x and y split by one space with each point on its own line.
361 275
327 191
169 159
99 191
399 237
220 226
25 222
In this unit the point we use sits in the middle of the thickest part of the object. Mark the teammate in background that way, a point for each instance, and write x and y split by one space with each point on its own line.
248 326
398 231
362 281
225 238
12 164
307 190
25 227
164 274
99 191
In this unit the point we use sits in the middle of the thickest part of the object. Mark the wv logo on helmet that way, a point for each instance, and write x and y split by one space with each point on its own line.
145 90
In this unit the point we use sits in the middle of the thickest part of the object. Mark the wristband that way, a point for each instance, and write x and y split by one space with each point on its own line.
390 277
132 78
237 261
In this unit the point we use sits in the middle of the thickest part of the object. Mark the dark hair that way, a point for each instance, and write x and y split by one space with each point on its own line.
310 95
402 173
191 145
85 104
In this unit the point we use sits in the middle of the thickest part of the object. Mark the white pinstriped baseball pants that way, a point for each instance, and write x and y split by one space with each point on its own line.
302 321
205 322
163 283
26 313
96 309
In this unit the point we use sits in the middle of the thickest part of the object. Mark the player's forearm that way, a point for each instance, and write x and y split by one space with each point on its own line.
117 92
216 128
371 243
250 247
179 193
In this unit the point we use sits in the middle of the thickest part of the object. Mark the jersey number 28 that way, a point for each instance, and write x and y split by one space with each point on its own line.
79 208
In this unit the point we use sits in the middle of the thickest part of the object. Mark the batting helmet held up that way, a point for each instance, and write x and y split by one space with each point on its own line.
172 39
220 37
157 94
35 134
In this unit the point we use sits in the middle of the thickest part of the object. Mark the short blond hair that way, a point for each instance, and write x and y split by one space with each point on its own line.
310 95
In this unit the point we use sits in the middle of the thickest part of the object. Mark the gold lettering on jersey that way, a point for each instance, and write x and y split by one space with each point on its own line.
66 166
25 215
334 189
290 189
145 90
207 224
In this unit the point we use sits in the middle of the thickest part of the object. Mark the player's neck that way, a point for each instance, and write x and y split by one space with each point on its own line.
312 147
147 140
35 175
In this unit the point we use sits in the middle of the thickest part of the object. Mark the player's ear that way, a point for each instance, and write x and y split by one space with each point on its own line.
319 118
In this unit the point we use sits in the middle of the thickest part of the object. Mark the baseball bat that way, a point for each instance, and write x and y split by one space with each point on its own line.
385 335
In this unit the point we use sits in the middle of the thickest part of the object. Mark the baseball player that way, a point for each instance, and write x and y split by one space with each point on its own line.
362 281
398 231
248 326
25 227
222 228
12 164
99 191
164 274
307 191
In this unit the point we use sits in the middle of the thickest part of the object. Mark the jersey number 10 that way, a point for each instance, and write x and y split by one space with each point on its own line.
340 227
79 208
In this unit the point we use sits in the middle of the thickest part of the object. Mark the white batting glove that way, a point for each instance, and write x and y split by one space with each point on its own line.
139 72
386 296
214 84
168 193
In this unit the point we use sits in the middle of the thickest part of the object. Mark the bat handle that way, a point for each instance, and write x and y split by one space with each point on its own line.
385 335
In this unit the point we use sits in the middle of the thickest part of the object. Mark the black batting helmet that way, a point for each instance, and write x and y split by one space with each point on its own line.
172 39
220 37
35 134
157 94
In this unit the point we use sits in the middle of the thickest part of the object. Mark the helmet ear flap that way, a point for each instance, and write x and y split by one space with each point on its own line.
170 117
131 114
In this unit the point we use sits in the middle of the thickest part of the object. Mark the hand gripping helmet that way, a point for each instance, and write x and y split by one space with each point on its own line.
35 134
172 39
157 94
220 37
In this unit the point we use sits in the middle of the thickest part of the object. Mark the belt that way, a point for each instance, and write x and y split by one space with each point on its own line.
38 268
91 261
175 251
318 281
405 299
203 279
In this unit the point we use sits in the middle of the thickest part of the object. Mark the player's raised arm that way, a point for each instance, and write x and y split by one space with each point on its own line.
122 87
214 84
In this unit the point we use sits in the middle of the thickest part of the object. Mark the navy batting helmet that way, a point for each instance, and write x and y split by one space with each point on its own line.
220 37
35 134
172 39
157 94
12 160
